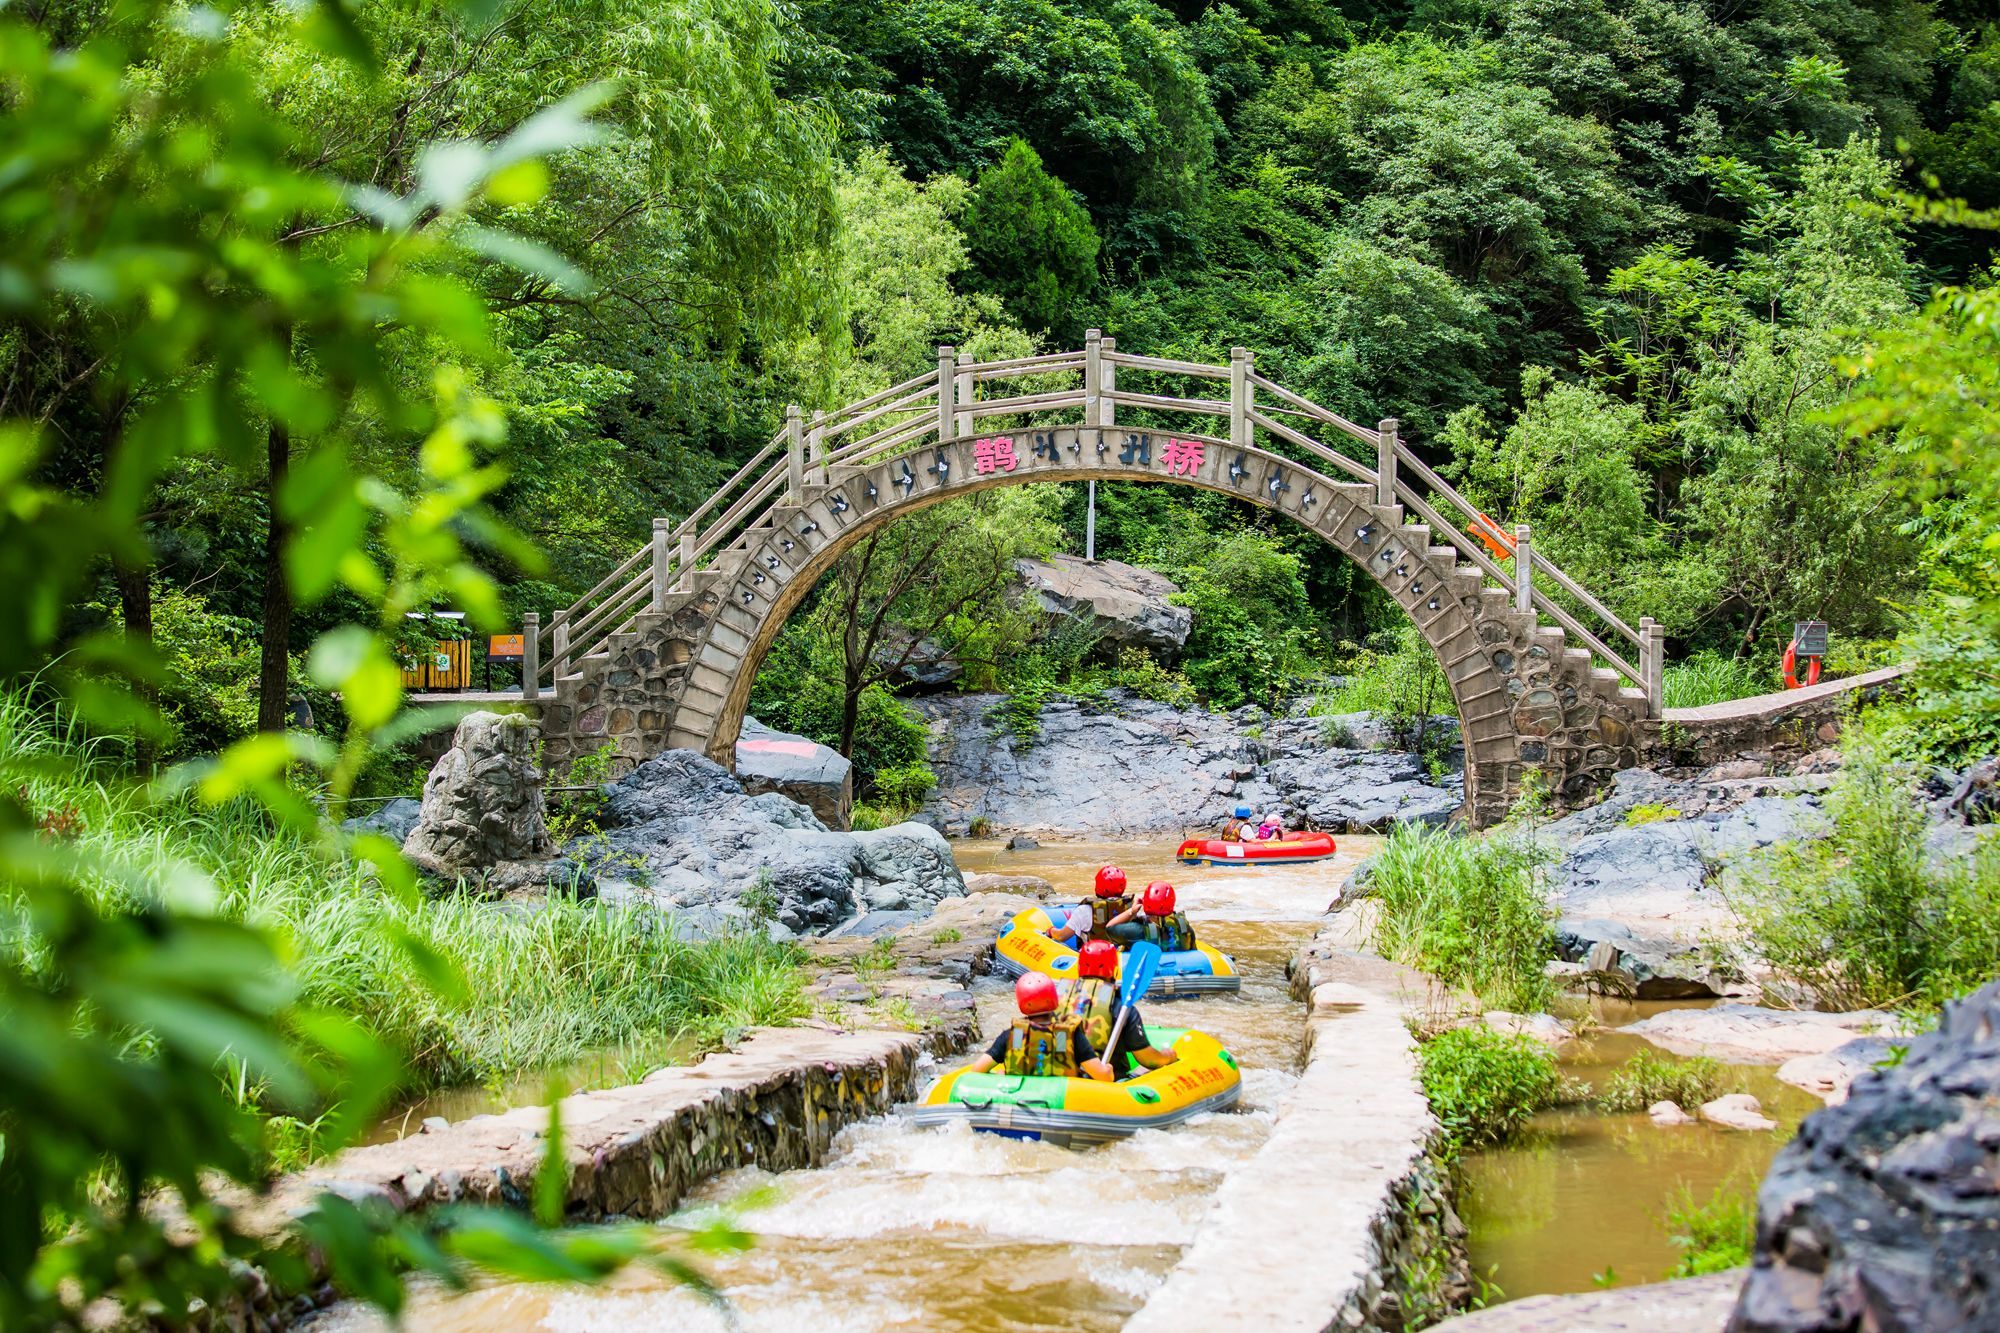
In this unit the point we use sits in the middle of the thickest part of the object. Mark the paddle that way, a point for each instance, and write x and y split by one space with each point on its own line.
1142 963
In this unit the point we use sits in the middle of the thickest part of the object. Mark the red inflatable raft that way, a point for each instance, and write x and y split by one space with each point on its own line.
1283 851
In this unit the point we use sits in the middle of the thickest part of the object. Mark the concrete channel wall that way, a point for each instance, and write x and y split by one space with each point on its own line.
776 1101
1343 1220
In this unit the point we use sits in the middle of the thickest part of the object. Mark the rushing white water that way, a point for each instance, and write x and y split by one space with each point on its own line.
905 1228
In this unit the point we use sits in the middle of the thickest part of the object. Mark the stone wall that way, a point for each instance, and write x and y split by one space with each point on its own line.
1343 1219
1771 729
776 1101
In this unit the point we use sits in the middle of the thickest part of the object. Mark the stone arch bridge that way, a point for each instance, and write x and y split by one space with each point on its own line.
662 652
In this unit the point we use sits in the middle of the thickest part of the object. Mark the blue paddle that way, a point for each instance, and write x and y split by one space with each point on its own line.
1142 964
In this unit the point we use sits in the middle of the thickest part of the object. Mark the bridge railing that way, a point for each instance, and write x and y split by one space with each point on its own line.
948 403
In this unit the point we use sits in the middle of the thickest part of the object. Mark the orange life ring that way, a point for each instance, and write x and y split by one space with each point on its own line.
1792 681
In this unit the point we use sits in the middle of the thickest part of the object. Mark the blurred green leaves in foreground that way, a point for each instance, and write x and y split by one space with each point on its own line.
225 293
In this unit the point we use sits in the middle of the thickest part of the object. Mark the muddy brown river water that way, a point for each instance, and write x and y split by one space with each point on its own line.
943 1229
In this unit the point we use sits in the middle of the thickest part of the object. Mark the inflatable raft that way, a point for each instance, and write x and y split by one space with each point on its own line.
1074 1112
1284 851
1024 946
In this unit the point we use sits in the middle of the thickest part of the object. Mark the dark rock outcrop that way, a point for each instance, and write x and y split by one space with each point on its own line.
1129 765
817 776
679 832
1884 1213
394 819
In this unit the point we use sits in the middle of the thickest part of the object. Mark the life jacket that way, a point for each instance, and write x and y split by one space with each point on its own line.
1037 1050
1093 1001
1101 912
1171 932
1232 829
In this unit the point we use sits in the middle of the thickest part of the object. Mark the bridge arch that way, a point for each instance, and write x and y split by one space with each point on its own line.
668 658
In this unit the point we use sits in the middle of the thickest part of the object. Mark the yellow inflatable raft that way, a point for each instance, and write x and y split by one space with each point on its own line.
1074 1112
1025 946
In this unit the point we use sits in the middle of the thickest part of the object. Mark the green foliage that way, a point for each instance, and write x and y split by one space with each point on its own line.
1470 911
1140 672
1710 678
1715 1235
1650 1077
1866 917
905 785
1484 1086
1648 813
1406 687
1032 242
1254 633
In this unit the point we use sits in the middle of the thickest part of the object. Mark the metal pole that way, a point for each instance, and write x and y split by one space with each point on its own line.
1385 462
1090 524
1524 569
531 655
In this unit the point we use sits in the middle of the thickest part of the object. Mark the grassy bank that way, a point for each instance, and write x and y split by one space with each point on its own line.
1469 911
467 991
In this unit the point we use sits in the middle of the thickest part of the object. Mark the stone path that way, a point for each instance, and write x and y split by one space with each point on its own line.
1690 1305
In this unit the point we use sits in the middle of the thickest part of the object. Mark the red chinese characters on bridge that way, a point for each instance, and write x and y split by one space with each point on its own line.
994 454
1182 457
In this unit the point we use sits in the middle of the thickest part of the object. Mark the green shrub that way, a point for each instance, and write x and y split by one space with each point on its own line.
1140 672
904 786
1484 1085
868 816
1467 910
1863 917
1714 1236
1640 815
1404 686
1710 678
1650 1077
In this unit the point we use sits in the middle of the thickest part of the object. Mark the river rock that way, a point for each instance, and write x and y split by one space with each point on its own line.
1544 1028
1030 886
680 833
1129 606
1669 1113
1747 1034
1638 872
394 819
817 776
1737 1110
480 824
1131 766
1883 1212
1829 1074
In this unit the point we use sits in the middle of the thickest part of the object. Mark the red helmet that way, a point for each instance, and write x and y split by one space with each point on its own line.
1158 899
1035 994
1098 959
1110 881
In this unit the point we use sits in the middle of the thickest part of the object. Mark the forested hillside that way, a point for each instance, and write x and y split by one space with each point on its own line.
1616 268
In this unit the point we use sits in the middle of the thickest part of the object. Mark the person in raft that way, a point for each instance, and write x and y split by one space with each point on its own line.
1084 921
1154 917
1273 827
1237 828
1043 1043
1094 997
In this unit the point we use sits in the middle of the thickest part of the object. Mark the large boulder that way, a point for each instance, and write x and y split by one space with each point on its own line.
1750 1034
395 819
678 832
481 821
1884 1212
1129 605
1635 886
817 776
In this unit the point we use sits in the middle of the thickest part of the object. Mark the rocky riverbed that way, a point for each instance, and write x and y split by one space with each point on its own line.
1125 766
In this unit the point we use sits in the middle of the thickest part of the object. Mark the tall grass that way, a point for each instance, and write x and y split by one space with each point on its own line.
1710 678
537 985
1467 910
1866 917
1715 1236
